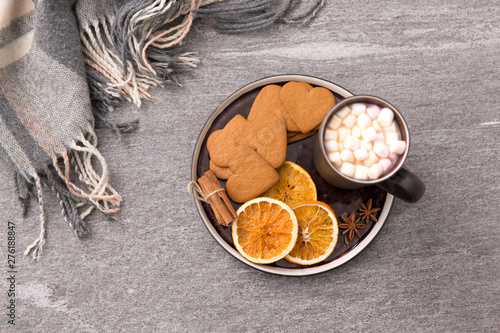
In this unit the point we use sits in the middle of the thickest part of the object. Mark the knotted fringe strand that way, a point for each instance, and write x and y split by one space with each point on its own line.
101 195
38 244
98 185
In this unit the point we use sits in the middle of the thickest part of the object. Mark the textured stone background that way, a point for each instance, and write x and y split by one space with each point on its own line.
435 266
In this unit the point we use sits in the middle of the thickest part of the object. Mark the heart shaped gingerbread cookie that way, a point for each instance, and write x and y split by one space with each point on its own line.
252 174
265 135
307 107
269 101
220 142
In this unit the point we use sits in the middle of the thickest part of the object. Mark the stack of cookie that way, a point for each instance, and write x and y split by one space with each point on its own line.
247 152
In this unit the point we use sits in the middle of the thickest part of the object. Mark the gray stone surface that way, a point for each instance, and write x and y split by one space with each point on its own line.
435 266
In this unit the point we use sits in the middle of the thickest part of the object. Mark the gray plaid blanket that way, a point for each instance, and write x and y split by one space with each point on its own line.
64 64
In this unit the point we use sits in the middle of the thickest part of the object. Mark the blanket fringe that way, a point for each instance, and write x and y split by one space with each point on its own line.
93 191
137 48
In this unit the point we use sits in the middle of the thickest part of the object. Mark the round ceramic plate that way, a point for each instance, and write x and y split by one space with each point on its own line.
341 201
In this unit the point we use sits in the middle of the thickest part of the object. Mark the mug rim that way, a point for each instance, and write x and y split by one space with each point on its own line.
363 98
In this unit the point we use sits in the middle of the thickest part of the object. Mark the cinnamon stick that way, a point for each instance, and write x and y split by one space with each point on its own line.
231 214
217 198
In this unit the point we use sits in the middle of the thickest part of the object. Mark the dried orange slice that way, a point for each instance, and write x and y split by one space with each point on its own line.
265 230
294 185
318 233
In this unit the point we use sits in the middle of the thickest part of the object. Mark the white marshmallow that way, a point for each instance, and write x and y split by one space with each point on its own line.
377 125
335 122
385 117
346 155
391 128
331 145
343 112
348 169
361 172
361 154
331 134
356 131
369 134
380 149
397 147
358 108
364 121
365 145
372 159
343 133
374 171
335 158
351 143
391 137
349 121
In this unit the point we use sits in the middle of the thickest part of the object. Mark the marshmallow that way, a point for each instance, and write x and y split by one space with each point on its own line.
358 108
385 117
348 169
331 145
335 158
361 172
393 156
343 133
374 171
349 121
343 112
391 128
351 143
361 154
335 122
397 147
346 155
373 111
380 137
380 149
364 121
331 134
391 137
365 145
372 159
369 134
385 163
377 125
356 131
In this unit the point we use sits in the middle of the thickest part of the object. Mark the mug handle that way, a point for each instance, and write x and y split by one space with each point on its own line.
404 185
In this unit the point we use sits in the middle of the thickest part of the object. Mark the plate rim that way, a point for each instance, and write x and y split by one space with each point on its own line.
357 249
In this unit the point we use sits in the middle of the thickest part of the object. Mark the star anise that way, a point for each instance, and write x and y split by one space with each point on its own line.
367 213
351 226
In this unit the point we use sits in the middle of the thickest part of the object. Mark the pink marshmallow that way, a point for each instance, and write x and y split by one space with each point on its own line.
373 111
393 156
380 137
385 163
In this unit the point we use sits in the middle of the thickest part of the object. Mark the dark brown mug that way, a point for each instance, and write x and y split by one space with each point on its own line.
397 181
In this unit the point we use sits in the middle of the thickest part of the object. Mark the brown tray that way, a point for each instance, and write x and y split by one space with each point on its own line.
341 201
